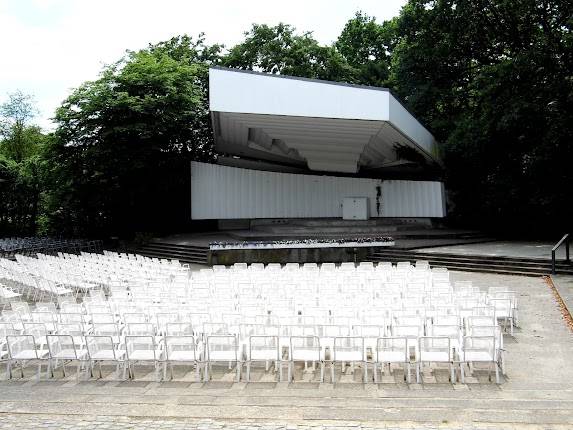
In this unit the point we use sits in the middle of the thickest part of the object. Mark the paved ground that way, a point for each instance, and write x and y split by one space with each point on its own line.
501 249
538 392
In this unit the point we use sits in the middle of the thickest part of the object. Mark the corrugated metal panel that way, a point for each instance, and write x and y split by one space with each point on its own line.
222 192
412 199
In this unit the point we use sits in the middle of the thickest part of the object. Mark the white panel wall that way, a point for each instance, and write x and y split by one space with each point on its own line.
407 199
222 192
235 91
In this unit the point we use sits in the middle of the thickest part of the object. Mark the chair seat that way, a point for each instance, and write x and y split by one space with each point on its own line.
392 357
435 356
70 354
349 356
477 356
264 354
29 354
145 355
222 356
306 355
182 356
107 355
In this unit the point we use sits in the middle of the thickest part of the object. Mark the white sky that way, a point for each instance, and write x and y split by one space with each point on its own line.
48 47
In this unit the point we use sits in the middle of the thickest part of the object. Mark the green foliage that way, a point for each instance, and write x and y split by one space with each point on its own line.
366 46
21 147
124 142
493 80
279 50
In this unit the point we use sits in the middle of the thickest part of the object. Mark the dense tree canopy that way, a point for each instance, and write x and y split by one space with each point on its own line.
491 79
281 50
494 82
126 139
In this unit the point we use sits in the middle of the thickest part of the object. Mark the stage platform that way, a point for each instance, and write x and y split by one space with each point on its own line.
452 248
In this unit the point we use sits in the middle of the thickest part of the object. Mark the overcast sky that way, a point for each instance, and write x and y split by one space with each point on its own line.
48 47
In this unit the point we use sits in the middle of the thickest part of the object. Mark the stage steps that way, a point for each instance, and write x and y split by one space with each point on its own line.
193 254
474 263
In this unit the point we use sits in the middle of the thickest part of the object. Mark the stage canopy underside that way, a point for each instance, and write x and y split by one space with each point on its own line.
296 124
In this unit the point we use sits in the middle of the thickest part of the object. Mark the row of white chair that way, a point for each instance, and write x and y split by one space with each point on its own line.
377 352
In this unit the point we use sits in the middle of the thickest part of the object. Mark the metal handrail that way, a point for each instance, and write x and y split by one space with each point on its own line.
557 245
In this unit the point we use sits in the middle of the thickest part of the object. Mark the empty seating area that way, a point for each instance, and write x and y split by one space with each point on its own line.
353 322
11 246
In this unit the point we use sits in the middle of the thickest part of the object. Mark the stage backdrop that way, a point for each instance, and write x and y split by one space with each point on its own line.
221 192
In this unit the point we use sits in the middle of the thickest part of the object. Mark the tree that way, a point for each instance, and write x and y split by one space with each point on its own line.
493 80
21 145
126 139
366 46
18 137
279 50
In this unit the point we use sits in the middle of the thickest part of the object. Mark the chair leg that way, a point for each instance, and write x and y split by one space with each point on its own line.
407 368
332 379
375 371
418 373
365 364
197 372
248 371
239 365
322 371
462 373
452 374
496 372
206 372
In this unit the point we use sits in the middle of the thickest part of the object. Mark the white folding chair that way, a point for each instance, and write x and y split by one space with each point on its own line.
180 349
142 349
222 348
22 349
62 347
263 348
348 349
479 349
392 350
101 349
306 349
435 349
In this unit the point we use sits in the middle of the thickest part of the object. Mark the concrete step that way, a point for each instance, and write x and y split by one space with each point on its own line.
467 257
183 253
506 265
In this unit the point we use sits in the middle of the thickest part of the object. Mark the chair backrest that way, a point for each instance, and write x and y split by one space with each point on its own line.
181 344
100 343
140 343
179 329
62 345
479 347
134 317
348 344
305 347
392 349
227 343
140 329
18 344
6 329
263 347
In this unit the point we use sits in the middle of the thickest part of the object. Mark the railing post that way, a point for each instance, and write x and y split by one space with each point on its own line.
553 262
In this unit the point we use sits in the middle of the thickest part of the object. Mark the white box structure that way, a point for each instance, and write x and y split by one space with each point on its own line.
355 208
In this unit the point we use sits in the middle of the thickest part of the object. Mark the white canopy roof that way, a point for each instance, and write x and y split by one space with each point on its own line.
322 125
